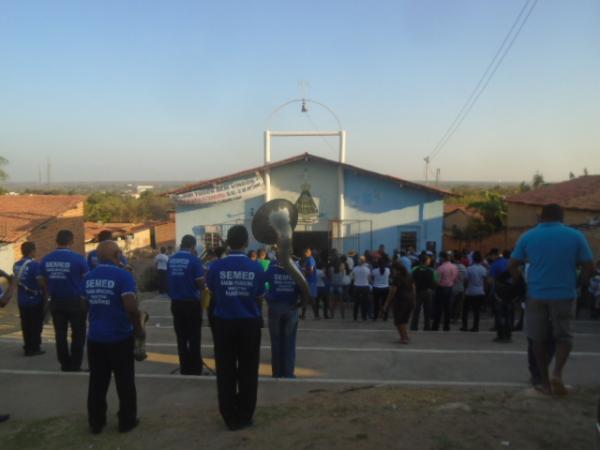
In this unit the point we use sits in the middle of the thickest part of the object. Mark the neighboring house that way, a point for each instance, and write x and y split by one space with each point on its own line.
38 218
458 216
129 236
579 197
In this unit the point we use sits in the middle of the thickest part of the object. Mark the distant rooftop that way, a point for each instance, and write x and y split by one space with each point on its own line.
21 214
581 193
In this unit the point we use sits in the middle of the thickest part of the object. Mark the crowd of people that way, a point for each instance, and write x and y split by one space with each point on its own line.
419 290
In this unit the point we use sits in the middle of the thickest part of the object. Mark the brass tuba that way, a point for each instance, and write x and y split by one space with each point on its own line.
274 224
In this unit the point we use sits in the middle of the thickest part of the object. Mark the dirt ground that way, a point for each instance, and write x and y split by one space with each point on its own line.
353 418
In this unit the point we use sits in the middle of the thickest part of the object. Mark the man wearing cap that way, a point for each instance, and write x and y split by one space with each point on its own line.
114 321
185 285
237 285
61 276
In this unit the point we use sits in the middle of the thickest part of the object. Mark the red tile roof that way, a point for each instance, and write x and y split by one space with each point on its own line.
305 157
450 208
581 193
21 214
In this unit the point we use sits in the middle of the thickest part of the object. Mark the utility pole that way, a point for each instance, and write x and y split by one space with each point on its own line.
437 176
426 169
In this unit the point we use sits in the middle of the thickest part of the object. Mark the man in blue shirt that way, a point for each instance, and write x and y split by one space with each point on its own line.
237 285
553 252
31 301
114 321
92 259
282 298
185 285
61 276
309 268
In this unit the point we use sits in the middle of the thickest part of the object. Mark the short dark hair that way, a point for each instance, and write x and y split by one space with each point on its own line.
477 257
188 241
163 250
105 235
64 237
552 213
237 237
27 248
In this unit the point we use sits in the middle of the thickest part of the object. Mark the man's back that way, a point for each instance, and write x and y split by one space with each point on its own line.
64 270
553 251
237 283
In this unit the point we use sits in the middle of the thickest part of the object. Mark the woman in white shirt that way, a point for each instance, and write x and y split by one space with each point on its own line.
339 274
381 285
361 275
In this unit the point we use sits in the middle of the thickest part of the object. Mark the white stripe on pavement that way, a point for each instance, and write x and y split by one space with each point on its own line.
433 351
347 381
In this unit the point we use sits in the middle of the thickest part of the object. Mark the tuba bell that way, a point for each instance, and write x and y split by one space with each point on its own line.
274 224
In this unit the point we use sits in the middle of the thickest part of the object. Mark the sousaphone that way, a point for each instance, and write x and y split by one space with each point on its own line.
274 224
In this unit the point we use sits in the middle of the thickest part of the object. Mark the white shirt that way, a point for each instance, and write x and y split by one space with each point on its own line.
361 275
160 261
476 280
320 278
381 280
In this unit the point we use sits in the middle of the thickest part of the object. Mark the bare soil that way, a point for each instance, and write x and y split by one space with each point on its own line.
359 418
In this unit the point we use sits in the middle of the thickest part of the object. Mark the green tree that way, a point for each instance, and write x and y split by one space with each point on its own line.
538 180
585 172
571 175
493 209
3 163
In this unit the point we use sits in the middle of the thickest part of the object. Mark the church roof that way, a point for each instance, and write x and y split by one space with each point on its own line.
306 157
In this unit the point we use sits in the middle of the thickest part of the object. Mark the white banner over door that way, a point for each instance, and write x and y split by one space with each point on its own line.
247 187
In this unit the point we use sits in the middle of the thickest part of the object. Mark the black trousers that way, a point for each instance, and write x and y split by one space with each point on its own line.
162 279
67 313
32 323
379 298
104 360
361 300
442 307
237 356
504 317
187 320
472 302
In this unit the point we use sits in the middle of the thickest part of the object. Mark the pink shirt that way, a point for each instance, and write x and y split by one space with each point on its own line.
448 274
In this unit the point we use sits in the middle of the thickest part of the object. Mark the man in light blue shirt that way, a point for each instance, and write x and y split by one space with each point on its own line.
553 251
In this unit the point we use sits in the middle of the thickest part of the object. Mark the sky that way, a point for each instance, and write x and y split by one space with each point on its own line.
183 90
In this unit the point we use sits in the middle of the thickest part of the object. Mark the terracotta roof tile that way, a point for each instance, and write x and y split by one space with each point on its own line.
20 214
581 193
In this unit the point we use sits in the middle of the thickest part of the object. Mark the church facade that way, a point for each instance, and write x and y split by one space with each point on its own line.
340 206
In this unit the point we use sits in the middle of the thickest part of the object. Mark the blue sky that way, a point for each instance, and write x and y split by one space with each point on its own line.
174 90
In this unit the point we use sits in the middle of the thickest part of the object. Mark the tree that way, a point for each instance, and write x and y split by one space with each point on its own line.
493 209
523 187
538 180
3 163
585 172
571 175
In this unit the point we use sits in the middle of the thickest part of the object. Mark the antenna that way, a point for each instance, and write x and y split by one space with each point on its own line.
48 171
39 174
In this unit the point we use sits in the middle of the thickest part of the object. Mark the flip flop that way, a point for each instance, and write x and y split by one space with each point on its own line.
558 388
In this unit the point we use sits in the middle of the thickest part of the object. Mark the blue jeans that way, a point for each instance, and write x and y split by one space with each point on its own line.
283 327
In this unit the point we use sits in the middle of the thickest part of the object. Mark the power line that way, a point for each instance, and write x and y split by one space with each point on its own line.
485 79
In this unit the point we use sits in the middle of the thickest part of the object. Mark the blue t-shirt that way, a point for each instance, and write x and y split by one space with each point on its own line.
183 270
92 259
310 270
104 290
237 283
553 251
282 290
498 267
26 273
64 271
